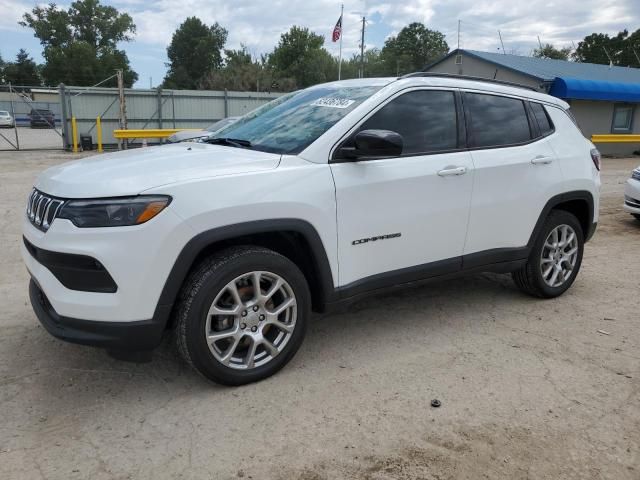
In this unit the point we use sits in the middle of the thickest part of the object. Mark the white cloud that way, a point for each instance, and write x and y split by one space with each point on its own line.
11 13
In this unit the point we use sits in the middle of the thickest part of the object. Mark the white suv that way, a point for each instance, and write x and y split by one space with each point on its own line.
316 198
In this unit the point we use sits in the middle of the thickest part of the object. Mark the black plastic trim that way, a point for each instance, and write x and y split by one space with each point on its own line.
122 336
76 272
200 242
591 232
400 277
557 200
500 260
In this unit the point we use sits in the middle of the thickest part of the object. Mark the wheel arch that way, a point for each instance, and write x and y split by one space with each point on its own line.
579 203
296 239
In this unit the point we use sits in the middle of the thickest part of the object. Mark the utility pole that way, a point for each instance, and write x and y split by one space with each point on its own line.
123 107
539 42
636 54
362 50
501 43
458 34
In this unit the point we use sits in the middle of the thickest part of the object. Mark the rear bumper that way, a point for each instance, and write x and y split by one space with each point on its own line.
121 336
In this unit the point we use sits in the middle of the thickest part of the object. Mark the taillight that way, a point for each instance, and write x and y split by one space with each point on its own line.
595 156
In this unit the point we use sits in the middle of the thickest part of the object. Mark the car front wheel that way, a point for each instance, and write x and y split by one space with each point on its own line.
242 315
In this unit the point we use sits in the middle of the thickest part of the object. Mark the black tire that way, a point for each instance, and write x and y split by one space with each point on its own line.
198 293
637 216
529 278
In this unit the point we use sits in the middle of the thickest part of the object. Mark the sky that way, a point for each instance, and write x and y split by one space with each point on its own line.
258 25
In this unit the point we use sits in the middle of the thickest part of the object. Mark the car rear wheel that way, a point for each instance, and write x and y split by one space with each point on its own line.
555 258
637 216
242 315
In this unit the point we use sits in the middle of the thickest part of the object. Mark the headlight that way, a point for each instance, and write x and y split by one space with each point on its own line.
113 212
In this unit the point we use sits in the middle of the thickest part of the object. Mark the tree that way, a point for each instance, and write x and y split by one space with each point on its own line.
240 72
195 51
374 65
81 43
592 49
2 65
623 49
550 52
23 71
301 58
412 49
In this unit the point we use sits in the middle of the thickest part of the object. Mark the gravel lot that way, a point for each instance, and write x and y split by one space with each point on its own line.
529 388
29 139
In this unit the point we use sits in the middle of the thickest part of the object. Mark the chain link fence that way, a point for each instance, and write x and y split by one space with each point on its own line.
42 115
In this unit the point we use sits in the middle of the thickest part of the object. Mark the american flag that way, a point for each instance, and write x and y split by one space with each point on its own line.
337 30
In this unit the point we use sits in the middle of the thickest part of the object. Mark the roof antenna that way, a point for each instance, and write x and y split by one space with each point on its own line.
608 56
636 54
501 43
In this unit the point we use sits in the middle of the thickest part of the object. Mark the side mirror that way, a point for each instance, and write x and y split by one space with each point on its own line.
376 143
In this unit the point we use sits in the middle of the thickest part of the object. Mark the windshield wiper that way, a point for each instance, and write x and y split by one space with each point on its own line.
232 142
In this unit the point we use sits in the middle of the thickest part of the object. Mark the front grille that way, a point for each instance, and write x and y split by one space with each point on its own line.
42 209
636 174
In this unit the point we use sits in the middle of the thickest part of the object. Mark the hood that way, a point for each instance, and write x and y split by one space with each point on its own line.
131 172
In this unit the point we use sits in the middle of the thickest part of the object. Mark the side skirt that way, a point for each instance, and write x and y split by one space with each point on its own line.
500 260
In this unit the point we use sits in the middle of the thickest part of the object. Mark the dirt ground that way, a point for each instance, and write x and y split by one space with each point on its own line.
530 389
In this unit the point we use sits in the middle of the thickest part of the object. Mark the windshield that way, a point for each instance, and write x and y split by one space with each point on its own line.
292 122
220 124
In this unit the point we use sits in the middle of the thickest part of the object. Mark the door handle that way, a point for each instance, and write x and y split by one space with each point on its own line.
449 171
541 160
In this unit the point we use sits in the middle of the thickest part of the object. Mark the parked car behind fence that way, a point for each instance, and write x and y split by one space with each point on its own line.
6 120
41 117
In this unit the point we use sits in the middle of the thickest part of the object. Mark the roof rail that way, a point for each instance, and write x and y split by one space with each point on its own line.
467 77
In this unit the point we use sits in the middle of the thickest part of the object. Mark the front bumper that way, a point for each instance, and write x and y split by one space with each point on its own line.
119 336
632 197
138 259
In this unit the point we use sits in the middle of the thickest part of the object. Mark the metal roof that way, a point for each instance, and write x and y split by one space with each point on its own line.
548 70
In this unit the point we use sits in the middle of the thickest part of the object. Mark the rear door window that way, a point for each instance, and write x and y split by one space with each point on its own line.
496 121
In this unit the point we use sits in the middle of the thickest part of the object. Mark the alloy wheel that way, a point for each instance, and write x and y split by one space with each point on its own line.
559 255
251 320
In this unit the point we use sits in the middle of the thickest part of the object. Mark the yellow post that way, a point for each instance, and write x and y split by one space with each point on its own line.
74 134
99 133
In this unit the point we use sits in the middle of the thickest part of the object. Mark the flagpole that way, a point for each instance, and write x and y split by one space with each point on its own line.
341 31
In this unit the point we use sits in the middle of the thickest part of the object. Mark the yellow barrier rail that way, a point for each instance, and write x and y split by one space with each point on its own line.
148 133
615 138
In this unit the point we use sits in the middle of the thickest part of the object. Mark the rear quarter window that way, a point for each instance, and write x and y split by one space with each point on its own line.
542 118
